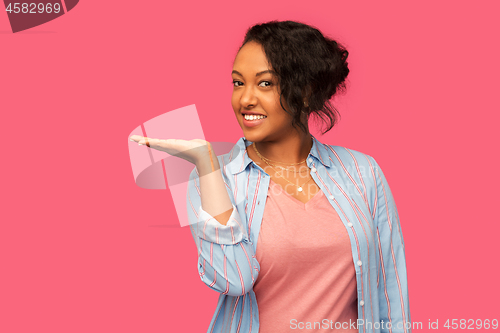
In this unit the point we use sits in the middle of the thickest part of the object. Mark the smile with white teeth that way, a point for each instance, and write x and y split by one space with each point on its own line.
253 117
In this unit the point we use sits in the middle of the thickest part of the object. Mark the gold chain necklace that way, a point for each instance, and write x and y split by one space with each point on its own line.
266 159
287 169
300 189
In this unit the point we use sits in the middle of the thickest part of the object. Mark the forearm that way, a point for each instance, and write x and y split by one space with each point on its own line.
214 197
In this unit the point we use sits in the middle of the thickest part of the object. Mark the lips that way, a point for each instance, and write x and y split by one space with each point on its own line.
33 16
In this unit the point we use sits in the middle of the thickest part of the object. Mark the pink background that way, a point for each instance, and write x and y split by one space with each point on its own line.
84 249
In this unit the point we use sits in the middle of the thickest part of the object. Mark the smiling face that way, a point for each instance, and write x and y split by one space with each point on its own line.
256 91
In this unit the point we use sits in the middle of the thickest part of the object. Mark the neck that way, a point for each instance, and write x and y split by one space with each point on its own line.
290 149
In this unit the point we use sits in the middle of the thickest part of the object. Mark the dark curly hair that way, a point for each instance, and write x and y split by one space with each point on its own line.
308 64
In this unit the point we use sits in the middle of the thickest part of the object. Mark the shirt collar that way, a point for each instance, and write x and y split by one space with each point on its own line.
239 159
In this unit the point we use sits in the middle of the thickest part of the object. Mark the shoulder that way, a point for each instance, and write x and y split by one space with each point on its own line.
353 166
344 156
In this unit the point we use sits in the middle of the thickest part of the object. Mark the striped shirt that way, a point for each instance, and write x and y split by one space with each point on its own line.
355 187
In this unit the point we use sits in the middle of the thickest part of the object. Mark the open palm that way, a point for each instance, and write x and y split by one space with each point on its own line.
190 150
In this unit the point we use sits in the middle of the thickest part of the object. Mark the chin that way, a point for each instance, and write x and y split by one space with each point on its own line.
252 136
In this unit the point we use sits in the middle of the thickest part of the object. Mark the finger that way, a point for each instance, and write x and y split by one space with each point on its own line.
166 143
170 146
150 142
161 143
158 144
135 138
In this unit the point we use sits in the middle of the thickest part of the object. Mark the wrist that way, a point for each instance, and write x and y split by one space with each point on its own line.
207 163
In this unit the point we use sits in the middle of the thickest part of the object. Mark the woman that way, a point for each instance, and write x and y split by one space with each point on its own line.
293 233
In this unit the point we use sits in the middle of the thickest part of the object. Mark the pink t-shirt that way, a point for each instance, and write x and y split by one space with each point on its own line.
307 279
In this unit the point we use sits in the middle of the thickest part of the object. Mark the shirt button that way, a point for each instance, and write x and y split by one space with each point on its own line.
313 169
310 160
349 224
331 197
361 302
359 262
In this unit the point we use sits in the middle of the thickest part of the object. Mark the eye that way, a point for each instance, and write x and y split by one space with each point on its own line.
236 81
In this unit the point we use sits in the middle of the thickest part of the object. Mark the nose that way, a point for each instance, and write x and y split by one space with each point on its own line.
248 97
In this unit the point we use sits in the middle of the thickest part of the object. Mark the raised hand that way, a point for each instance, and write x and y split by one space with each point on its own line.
193 151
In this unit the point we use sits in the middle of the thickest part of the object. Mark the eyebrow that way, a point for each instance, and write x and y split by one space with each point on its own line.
258 74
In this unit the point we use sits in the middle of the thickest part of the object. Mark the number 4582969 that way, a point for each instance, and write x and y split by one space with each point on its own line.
471 324
33 8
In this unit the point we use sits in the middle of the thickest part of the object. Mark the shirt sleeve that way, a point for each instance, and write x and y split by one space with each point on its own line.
226 259
392 281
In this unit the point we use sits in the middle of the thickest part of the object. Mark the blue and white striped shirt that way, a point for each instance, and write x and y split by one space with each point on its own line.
357 189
